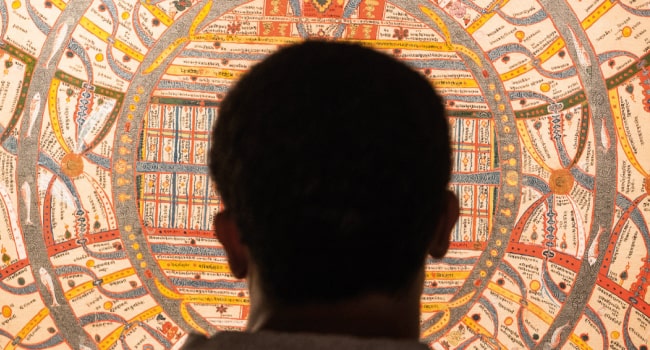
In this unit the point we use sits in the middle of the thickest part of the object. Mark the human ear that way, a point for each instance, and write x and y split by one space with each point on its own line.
227 234
442 234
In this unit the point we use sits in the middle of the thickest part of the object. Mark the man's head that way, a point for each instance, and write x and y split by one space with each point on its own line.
332 161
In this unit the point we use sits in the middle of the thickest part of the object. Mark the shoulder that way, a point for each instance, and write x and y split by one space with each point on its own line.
294 341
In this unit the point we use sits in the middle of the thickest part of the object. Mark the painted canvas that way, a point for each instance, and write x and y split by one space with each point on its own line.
106 205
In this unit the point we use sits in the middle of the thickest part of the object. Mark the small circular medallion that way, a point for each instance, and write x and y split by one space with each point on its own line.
72 165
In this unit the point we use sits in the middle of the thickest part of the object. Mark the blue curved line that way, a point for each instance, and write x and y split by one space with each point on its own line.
563 74
70 269
499 51
74 46
437 64
47 162
465 98
487 178
626 334
221 55
6 334
536 17
467 343
438 291
515 95
622 201
159 337
525 336
510 272
555 291
636 216
642 13
144 37
48 344
5 19
28 289
40 24
295 8
112 9
120 254
457 261
637 219
598 322
349 9
148 167
584 179
103 162
475 7
186 282
297 12
171 84
125 346
126 75
606 56
536 183
186 250
10 144
134 293
492 312
100 317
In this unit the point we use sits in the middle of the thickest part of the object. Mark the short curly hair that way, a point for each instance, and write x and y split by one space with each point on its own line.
333 159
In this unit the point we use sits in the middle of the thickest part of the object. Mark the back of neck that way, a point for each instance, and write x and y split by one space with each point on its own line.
370 316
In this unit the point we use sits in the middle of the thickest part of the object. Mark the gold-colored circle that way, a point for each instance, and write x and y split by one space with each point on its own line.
545 87
512 178
535 285
72 165
626 31
6 311
561 181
